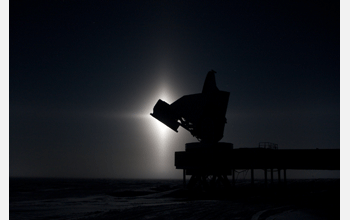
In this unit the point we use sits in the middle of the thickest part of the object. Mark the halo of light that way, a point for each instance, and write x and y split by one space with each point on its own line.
162 130
157 135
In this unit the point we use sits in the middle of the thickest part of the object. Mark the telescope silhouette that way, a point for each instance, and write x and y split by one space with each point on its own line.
202 114
209 161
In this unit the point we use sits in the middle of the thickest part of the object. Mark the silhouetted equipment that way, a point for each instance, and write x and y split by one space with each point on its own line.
266 159
201 114
210 161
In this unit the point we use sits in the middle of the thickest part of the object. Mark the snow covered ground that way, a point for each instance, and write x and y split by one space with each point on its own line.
166 199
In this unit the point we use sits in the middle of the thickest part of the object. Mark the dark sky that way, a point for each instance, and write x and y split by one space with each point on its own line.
85 75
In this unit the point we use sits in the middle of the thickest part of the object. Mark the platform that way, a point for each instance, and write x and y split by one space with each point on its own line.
260 158
223 160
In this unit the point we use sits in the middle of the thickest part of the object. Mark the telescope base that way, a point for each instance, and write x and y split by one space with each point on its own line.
210 169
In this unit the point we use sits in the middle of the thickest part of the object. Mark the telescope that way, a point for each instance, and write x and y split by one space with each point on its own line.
209 161
202 114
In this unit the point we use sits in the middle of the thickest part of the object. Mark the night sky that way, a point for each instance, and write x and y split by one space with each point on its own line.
85 75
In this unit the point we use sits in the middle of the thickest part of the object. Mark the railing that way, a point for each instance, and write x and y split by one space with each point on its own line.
268 145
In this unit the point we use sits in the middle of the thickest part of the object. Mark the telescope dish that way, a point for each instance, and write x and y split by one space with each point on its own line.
202 114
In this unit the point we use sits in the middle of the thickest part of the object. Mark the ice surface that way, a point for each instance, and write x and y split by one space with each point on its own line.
166 199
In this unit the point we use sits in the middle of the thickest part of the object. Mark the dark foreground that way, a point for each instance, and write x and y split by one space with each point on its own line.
166 199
